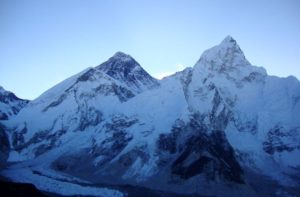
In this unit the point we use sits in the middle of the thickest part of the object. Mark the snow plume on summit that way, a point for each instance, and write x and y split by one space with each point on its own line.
221 128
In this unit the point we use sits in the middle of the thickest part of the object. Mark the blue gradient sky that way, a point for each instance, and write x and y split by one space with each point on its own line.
44 42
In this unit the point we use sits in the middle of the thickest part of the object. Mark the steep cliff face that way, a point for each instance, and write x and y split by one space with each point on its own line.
204 130
10 105
4 148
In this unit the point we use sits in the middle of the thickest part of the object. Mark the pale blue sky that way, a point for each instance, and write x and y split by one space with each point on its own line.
43 42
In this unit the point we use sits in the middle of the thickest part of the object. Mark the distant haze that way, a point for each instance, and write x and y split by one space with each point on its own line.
44 42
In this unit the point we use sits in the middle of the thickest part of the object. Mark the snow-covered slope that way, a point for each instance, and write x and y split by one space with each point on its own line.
213 129
259 113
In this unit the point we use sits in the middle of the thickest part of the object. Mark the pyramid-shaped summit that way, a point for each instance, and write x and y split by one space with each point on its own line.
229 39
119 62
226 56
126 69
229 44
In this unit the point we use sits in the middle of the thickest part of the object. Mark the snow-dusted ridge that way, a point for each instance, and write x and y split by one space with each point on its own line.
10 104
214 129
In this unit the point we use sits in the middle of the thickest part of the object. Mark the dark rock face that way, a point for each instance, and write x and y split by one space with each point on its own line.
3 116
220 120
194 149
210 155
168 142
185 80
255 77
122 93
129 158
55 103
88 117
9 97
276 137
49 141
12 102
44 140
4 147
19 190
117 138
87 75
125 69
18 138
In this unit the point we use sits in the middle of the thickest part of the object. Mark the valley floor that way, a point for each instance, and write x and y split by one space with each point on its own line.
53 184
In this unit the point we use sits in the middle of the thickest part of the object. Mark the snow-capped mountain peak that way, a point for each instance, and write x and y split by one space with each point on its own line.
10 104
229 40
122 56
119 63
227 61
225 56
125 69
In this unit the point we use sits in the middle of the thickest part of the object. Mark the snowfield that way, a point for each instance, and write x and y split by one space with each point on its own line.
56 183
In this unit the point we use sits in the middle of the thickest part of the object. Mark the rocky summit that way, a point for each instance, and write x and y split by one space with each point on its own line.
221 128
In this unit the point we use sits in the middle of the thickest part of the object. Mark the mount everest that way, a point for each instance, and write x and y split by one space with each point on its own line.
221 128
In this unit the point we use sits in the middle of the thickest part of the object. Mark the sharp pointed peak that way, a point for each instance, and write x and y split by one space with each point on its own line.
121 56
120 53
229 42
126 69
119 62
229 39
227 53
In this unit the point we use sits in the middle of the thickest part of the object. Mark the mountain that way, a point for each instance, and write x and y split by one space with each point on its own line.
221 128
126 70
10 104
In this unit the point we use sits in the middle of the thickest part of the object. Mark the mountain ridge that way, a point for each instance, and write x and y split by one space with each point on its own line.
211 126
10 104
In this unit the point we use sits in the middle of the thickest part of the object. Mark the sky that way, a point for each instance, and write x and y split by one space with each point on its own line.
45 42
